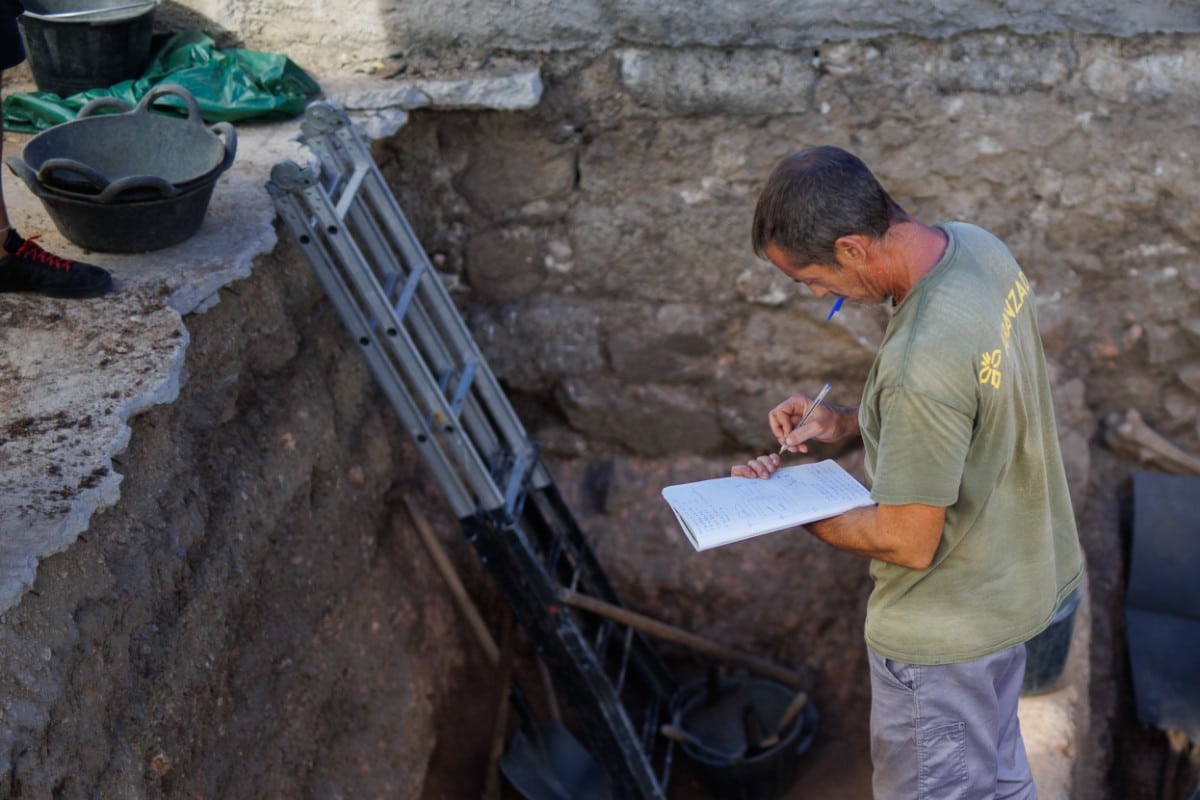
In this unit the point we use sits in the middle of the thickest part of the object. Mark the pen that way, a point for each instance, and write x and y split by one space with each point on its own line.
837 304
820 396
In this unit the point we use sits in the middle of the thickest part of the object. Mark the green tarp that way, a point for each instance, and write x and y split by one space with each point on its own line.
229 85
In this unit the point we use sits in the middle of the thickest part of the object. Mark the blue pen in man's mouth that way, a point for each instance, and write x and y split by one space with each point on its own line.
837 304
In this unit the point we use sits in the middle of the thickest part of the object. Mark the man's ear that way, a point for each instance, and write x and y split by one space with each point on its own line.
851 250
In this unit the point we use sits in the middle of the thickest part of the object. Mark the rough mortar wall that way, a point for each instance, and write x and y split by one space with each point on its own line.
368 34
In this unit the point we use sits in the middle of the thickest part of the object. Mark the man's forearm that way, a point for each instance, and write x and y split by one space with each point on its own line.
906 535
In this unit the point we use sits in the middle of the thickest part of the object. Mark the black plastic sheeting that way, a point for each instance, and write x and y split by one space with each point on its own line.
1162 604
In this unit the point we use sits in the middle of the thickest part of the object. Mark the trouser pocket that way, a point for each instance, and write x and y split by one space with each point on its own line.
942 760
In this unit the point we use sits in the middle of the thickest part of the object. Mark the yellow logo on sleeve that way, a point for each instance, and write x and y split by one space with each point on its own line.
1013 303
989 370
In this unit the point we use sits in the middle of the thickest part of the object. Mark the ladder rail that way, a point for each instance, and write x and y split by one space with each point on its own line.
337 143
390 361
364 222
405 405
360 204
463 369
429 303
423 383
566 648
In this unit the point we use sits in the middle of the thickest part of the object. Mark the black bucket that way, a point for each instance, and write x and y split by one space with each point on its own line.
718 755
1046 653
130 227
76 45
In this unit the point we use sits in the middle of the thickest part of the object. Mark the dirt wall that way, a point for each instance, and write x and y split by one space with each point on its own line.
251 619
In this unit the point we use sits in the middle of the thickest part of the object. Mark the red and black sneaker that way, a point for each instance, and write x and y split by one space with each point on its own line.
29 268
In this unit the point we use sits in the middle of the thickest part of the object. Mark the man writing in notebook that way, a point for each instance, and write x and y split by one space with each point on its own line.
973 543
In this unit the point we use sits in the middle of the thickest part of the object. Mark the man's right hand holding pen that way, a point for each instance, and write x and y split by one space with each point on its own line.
796 421
813 405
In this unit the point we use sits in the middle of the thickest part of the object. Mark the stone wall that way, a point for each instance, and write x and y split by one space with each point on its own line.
627 201
625 196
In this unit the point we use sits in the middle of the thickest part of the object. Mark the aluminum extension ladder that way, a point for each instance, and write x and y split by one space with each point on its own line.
374 270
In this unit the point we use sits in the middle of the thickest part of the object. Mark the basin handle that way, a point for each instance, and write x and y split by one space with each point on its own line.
224 130
23 171
112 194
101 103
97 180
164 89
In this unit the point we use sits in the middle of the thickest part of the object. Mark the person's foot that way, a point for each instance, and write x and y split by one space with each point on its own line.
29 268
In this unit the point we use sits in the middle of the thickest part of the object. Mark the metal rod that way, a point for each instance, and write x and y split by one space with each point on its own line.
694 641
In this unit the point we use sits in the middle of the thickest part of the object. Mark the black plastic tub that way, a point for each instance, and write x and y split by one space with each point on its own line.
131 213
1046 653
718 756
129 227
94 151
76 45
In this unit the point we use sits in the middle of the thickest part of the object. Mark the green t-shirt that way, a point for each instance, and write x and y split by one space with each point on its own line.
957 412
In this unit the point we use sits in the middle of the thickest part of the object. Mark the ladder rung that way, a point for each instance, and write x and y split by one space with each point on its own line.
410 290
464 386
444 378
553 554
350 192
514 489
335 181
603 633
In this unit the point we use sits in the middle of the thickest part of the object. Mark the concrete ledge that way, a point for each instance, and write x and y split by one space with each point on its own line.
381 105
